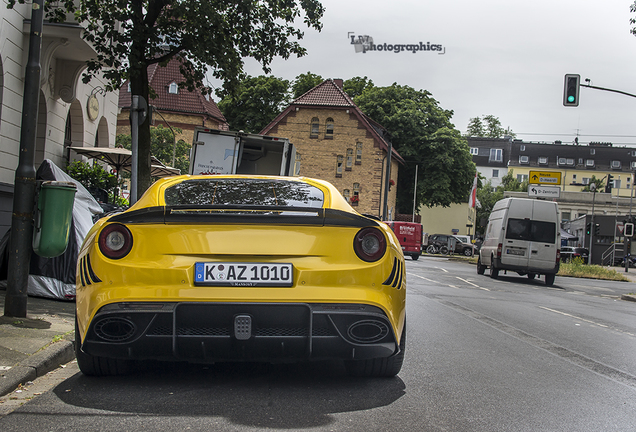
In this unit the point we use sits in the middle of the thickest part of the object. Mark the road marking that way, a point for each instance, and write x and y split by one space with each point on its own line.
422 277
573 316
442 269
470 283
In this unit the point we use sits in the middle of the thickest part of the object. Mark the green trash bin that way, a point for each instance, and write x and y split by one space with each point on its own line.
53 218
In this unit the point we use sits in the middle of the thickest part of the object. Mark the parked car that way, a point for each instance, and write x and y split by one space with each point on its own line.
464 246
568 253
240 268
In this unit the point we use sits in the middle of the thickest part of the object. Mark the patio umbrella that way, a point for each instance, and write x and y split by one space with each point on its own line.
121 159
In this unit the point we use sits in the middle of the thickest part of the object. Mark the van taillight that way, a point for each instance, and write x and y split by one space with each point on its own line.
558 257
499 248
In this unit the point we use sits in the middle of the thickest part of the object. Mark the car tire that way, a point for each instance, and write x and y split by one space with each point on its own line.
531 276
468 252
415 257
385 367
494 272
480 268
98 366
549 279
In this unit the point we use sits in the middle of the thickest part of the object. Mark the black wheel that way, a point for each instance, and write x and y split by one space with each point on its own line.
480 268
531 276
415 257
468 252
379 367
549 279
98 366
494 272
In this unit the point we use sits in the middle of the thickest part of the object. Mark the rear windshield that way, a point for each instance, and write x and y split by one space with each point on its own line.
531 230
244 192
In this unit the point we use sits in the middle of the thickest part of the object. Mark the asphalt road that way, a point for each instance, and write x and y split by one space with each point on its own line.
482 355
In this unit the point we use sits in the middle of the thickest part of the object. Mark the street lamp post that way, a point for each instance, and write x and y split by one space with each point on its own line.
593 189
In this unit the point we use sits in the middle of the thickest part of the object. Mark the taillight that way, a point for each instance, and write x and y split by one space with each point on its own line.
369 244
115 241
499 248
558 257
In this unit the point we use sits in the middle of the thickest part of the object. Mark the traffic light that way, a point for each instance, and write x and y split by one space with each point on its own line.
610 183
571 90
588 228
597 229
628 231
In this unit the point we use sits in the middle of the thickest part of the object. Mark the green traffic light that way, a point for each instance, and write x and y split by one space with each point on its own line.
570 99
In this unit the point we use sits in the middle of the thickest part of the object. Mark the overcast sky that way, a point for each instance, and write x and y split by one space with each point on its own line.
507 58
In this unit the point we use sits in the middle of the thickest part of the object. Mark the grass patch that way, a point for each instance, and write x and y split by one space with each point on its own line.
576 268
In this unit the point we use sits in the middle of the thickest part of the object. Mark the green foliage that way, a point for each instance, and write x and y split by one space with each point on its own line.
577 268
599 182
303 83
489 127
92 175
356 86
255 103
422 133
162 146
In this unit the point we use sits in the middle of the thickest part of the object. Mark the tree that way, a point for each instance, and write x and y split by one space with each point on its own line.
255 103
130 35
422 133
162 146
489 127
303 83
356 86
599 182
475 127
94 177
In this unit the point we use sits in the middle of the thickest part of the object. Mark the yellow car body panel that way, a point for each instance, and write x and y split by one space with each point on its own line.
160 264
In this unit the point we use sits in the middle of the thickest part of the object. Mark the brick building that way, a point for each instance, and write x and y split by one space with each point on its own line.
173 106
336 142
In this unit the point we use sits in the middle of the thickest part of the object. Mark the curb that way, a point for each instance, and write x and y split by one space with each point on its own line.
628 297
38 364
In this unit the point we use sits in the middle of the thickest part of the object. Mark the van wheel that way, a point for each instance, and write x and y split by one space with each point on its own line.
494 272
531 276
415 257
549 279
480 268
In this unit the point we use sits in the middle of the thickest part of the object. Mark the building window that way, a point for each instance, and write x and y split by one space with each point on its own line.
346 194
356 194
495 173
359 153
349 159
589 162
573 178
633 153
633 165
543 160
329 128
580 161
570 162
524 159
315 127
522 148
129 88
616 183
339 161
474 151
522 177
586 180
496 155
592 151
616 164
173 88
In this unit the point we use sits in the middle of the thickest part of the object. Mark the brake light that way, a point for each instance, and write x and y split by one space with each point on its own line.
558 256
115 241
369 244
499 248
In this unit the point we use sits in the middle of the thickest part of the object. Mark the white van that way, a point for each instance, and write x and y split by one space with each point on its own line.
523 236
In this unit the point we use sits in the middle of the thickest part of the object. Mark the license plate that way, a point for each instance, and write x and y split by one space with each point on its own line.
243 274
519 252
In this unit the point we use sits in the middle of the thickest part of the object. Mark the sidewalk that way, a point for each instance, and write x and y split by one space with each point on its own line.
32 346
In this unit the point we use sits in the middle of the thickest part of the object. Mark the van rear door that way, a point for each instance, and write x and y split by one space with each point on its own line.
515 247
543 235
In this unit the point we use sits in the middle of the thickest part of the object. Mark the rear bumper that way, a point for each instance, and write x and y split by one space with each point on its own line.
211 332
526 269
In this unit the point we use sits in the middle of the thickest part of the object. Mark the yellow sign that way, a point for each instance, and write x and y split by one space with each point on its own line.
545 177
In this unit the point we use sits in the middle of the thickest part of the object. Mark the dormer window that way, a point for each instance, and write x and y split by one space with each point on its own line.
524 159
616 164
543 160
589 163
173 88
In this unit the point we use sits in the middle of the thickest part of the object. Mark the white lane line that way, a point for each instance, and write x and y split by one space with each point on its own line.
470 283
422 277
442 269
573 316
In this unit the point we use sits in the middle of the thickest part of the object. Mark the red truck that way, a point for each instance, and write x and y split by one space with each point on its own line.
410 236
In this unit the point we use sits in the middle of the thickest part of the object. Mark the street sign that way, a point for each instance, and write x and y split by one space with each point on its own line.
545 177
544 191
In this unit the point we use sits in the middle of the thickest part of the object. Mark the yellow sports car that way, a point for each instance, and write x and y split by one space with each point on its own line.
240 268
